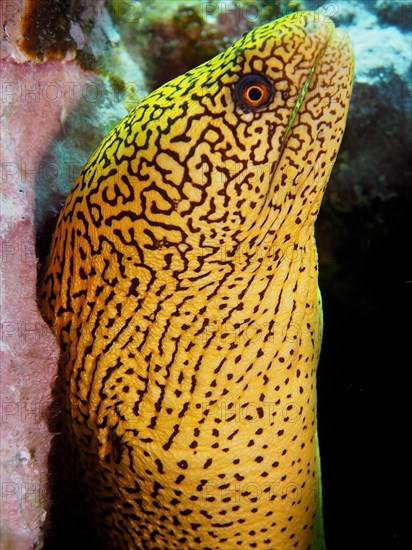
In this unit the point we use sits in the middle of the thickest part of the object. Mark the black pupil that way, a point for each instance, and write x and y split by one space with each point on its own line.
255 94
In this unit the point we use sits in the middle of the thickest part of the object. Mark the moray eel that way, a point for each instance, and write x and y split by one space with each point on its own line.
182 287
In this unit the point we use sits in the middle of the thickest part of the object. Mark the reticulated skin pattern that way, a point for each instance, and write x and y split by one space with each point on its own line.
182 288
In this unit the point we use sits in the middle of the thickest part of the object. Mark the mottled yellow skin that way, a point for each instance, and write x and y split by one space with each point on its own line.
182 288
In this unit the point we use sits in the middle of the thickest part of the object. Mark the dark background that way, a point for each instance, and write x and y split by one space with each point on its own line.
363 379
365 254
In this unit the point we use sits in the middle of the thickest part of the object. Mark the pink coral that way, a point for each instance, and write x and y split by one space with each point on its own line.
36 98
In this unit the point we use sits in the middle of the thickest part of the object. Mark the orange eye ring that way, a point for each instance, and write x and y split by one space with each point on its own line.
253 92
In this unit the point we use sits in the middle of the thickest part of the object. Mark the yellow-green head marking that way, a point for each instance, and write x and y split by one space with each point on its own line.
182 288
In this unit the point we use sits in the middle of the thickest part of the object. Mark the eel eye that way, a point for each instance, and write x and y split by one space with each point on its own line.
253 92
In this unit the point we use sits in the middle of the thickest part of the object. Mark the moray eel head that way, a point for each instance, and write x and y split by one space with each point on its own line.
182 289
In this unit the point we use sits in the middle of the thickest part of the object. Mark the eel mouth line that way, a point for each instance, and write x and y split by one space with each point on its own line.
302 95
299 101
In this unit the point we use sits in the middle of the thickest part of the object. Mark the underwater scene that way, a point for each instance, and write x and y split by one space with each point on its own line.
179 179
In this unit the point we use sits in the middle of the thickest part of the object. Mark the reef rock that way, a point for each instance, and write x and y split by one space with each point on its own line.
54 111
